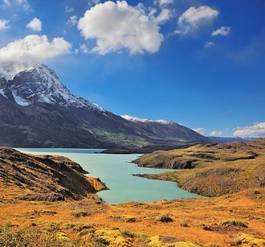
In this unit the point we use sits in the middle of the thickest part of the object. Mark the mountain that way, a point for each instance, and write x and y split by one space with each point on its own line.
37 110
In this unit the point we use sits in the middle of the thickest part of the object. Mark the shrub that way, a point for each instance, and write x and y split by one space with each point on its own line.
165 219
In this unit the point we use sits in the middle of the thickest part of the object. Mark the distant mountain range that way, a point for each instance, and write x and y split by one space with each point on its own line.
222 139
37 110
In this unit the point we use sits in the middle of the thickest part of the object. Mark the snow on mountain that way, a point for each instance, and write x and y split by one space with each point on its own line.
41 84
145 120
2 92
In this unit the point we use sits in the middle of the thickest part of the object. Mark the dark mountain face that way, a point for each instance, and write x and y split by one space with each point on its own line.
37 110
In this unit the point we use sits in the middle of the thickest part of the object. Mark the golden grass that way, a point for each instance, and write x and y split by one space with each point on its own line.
230 220
230 171
190 218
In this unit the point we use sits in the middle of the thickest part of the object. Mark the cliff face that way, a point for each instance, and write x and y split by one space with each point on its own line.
44 178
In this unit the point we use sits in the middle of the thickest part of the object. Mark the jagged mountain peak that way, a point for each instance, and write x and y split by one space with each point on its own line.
40 84
36 109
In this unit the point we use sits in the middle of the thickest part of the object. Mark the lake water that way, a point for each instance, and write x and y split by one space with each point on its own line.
116 170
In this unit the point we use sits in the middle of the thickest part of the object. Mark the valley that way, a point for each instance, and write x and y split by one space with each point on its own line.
233 217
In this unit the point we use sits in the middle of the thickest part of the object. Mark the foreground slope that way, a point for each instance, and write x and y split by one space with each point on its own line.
43 178
37 110
212 169
230 220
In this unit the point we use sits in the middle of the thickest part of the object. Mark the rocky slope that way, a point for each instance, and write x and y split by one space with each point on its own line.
37 110
44 178
215 169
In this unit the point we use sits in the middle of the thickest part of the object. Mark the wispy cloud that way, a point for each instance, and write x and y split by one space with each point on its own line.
163 3
17 3
209 44
3 24
201 131
163 16
255 130
194 18
72 21
215 133
252 52
222 31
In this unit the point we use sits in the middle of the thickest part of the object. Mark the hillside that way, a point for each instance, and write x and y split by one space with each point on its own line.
38 110
31 214
43 178
212 169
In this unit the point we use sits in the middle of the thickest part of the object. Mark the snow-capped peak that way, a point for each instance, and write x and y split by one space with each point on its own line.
145 120
41 84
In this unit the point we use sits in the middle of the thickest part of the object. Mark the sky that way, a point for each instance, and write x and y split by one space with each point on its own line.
199 63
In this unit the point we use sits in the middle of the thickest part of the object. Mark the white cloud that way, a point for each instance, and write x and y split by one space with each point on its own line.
216 133
162 3
35 25
68 9
18 3
209 44
84 49
164 16
31 49
119 26
72 21
201 131
3 24
222 31
255 130
194 18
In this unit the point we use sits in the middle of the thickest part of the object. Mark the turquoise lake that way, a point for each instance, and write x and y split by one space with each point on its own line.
116 170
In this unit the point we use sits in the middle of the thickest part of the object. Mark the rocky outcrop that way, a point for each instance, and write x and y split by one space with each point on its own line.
45 178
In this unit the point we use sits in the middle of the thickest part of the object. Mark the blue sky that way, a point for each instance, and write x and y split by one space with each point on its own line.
191 76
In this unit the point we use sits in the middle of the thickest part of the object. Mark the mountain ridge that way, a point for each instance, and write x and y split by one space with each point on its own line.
38 110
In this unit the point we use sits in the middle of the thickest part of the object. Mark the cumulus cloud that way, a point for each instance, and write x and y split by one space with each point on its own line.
222 31
255 130
118 26
35 25
3 24
72 21
31 49
215 133
194 18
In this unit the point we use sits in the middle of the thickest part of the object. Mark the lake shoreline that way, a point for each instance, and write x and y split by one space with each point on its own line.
116 171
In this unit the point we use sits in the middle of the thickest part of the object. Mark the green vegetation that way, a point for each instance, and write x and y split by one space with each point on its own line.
120 138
